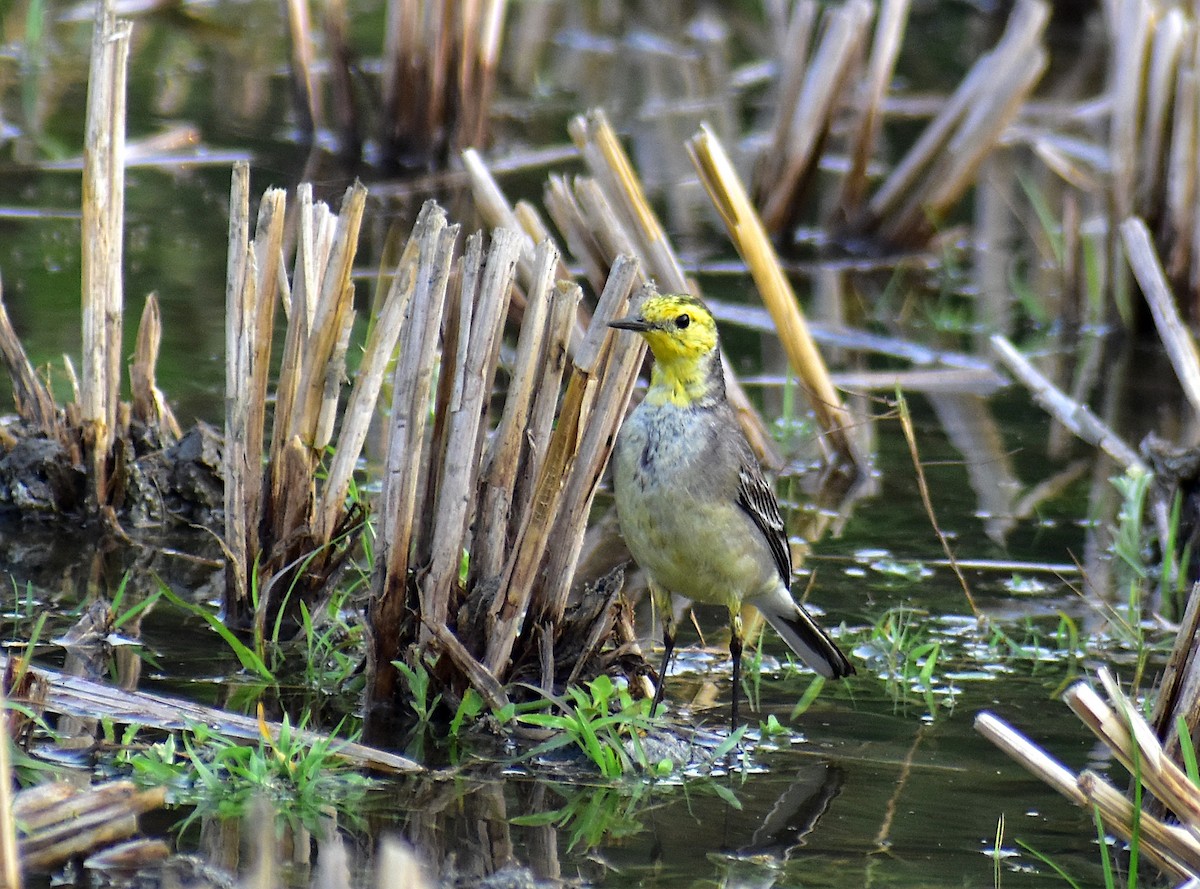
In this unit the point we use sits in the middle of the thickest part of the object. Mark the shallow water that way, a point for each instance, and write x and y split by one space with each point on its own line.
871 789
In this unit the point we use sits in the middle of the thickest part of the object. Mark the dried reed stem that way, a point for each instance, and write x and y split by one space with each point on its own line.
955 142
750 238
378 351
889 34
299 304
1179 216
306 98
404 467
828 76
1176 338
438 79
1132 37
1072 414
517 584
239 277
954 171
617 366
1043 766
1137 748
1167 848
792 52
496 521
331 316
1179 689
1166 49
103 242
473 372
33 401
149 406
1160 842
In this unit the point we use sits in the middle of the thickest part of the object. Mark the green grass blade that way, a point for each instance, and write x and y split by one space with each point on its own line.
245 655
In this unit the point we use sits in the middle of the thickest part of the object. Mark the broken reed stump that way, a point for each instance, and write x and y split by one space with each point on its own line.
749 236
288 526
1154 83
512 505
437 80
98 456
103 248
941 166
834 79
1173 845
811 93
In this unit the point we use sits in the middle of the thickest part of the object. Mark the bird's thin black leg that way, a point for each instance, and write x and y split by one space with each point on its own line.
735 652
668 648
666 614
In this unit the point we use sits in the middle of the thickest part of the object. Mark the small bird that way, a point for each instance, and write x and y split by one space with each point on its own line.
693 505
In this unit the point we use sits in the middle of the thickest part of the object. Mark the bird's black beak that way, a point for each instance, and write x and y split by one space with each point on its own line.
631 322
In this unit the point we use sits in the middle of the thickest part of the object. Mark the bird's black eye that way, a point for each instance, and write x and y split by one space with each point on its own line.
683 321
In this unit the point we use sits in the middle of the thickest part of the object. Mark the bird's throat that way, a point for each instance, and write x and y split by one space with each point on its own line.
686 383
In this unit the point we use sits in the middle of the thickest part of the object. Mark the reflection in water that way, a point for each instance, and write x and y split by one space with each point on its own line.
485 831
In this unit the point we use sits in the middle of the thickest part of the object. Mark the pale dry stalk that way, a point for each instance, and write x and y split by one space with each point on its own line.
149 406
613 372
103 243
750 238
519 583
498 477
473 373
832 68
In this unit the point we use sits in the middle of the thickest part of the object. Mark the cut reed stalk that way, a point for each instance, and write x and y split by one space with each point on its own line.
286 534
617 365
1179 689
32 399
953 172
438 78
305 97
1132 40
499 475
1166 49
474 371
405 462
750 238
1164 846
554 492
889 34
103 245
518 505
148 404
827 78
937 167
1179 216
1174 849
237 377
795 41
1176 338
1137 748
1075 416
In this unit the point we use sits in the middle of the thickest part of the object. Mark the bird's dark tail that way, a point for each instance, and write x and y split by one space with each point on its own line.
811 644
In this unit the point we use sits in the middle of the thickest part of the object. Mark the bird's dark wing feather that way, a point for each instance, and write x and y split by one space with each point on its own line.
758 500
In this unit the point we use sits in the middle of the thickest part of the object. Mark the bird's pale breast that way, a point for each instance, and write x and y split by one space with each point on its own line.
675 487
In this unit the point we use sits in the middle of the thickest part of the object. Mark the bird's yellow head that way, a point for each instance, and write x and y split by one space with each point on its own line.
682 334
